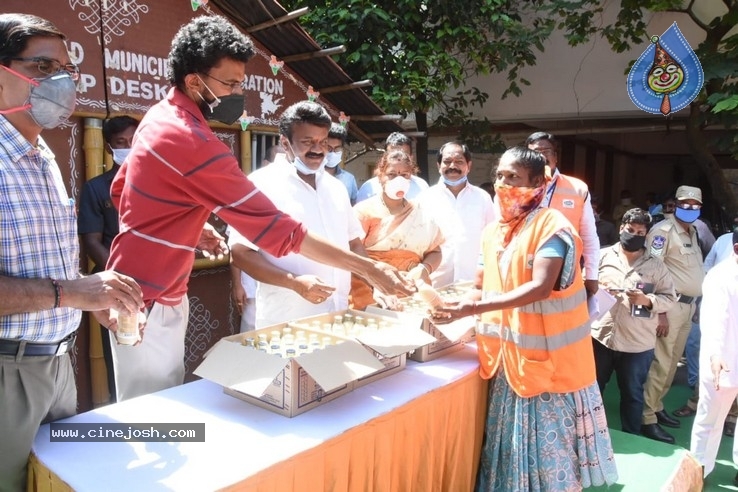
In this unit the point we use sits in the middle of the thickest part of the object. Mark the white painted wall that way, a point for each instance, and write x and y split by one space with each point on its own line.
586 81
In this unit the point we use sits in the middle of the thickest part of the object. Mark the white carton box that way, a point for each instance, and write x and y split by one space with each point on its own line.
448 337
286 386
389 345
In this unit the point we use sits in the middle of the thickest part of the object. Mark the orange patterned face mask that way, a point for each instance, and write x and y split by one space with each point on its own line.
516 202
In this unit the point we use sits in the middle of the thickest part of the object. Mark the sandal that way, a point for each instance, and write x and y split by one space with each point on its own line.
684 411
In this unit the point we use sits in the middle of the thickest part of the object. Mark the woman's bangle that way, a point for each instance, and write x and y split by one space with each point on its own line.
474 308
426 267
58 293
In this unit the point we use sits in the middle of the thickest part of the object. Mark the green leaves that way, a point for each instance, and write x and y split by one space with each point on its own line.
420 54
416 52
726 103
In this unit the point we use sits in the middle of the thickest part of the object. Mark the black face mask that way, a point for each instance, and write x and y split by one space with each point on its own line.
227 111
631 242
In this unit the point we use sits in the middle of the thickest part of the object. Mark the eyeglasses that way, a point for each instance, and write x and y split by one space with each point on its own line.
337 148
233 86
689 206
49 66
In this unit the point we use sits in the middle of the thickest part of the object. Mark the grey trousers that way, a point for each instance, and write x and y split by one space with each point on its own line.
33 391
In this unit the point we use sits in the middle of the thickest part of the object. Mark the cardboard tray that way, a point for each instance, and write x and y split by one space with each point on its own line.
286 386
389 345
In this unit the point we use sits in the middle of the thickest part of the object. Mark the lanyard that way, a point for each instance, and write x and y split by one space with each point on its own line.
549 192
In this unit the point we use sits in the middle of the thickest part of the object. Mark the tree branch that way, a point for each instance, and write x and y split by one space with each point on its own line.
688 10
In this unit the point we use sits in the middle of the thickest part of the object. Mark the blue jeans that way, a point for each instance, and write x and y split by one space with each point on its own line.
692 351
631 370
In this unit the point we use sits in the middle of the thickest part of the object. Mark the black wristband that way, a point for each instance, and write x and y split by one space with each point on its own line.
57 293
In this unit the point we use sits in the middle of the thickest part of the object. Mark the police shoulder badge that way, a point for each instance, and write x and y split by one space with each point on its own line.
657 245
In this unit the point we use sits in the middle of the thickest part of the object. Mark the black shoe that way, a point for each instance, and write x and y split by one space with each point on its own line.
685 411
655 432
666 420
729 429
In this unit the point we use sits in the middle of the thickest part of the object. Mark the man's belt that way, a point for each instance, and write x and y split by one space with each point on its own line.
20 348
685 299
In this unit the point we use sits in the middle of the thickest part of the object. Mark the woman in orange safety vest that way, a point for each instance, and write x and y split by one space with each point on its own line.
546 428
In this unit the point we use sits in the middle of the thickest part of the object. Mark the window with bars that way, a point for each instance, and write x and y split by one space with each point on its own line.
261 143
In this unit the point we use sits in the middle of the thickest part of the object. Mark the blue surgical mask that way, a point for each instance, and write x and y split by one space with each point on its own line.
687 216
119 155
450 182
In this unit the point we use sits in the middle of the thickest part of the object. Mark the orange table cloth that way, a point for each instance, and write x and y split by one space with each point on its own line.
423 432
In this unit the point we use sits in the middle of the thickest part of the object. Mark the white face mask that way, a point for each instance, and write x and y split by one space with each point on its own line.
119 155
397 187
332 159
301 166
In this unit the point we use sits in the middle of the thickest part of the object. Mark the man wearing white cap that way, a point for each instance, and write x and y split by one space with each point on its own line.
674 240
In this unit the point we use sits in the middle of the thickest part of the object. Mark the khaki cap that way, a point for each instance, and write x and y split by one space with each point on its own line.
689 193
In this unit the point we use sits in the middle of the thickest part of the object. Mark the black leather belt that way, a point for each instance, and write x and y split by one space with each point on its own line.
685 299
20 348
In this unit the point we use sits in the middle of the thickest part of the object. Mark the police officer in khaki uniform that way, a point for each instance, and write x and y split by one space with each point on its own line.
674 240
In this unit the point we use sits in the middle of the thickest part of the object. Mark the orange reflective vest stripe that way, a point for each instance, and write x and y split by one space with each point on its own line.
544 346
569 197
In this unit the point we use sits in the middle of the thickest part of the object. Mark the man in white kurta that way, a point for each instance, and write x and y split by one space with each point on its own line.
461 210
718 359
326 211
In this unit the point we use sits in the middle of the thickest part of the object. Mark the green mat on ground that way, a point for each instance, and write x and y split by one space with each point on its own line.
644 464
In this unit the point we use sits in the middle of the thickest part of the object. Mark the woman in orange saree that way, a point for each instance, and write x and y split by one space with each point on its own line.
398 232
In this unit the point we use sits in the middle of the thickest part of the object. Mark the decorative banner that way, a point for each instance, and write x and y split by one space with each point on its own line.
343 119
130 73
199 3
245 120
667 76
312 94
275 64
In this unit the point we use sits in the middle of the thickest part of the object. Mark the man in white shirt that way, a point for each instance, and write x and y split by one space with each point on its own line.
721 250
371 187
571 197
293 286
461 210
243 287
718 356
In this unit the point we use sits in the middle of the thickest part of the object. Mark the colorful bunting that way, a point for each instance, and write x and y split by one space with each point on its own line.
275 64
198 3
245 120
312 94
